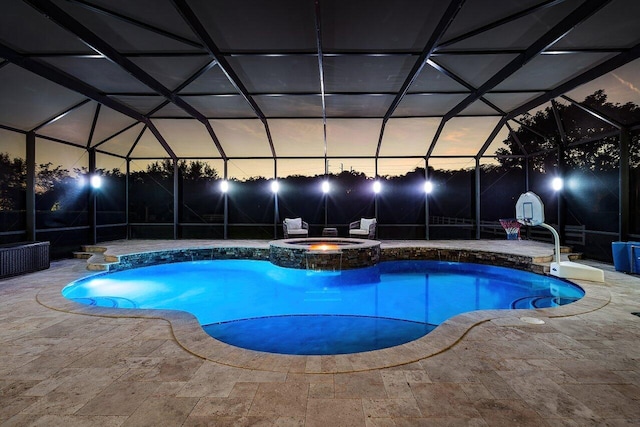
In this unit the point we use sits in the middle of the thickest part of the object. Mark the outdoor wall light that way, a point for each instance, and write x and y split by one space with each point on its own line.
224 186
377 187
428 187
557 183
96 181
325 187
275 186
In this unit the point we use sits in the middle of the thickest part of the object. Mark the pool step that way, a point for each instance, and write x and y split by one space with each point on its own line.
82 255
96 258
93 249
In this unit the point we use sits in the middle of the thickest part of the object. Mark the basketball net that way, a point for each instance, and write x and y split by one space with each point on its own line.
512 228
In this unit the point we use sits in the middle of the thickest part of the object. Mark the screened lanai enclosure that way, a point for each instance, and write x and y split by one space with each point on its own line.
171 102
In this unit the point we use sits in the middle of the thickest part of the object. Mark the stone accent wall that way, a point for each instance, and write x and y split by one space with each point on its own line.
519 262
348 259
345 259
330 260
182 255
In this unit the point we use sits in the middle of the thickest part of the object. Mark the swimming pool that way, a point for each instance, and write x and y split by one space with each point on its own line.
260 306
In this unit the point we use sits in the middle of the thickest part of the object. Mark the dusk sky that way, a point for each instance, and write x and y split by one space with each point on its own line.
28 99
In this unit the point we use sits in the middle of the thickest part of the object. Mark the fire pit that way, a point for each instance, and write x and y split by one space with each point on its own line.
324 247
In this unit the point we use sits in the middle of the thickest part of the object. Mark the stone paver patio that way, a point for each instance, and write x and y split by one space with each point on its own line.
65 364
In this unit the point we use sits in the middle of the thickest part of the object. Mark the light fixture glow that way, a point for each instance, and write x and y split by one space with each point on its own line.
96 181
377 187
325 187
557 183
224 186
275 186
428 187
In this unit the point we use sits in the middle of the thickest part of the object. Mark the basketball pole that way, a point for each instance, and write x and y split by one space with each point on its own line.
556 239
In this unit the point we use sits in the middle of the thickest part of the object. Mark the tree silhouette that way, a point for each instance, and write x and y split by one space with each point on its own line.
192 170
539 133
13 173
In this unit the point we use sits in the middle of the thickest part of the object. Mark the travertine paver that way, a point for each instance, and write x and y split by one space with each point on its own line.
61 368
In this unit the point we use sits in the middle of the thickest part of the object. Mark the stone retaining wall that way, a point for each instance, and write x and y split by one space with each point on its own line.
183 255
519 262
297 258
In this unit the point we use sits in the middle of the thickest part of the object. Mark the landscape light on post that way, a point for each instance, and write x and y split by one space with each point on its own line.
96 181
275 186
428 187
224 186
325 187
557 183
377 187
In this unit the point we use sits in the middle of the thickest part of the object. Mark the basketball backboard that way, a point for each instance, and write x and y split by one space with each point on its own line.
530 209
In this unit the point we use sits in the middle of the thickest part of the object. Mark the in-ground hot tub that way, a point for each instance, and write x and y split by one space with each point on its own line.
324 253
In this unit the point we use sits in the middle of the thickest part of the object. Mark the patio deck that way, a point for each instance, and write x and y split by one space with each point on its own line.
61 363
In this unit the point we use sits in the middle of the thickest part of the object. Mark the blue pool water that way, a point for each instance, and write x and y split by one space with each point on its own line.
260 306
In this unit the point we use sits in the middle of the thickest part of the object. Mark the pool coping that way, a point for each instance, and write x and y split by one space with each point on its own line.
190 336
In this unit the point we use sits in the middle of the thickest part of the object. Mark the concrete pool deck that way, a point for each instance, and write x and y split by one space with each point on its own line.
63 363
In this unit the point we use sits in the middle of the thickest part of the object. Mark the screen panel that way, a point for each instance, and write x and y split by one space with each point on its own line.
300 137
352 137
62 191
408 137
13 198
464 136
151 192
242 138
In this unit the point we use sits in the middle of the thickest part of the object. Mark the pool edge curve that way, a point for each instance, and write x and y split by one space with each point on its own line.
190 336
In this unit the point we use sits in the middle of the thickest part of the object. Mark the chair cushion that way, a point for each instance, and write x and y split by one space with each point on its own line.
293 223
365 223
359 232
297 232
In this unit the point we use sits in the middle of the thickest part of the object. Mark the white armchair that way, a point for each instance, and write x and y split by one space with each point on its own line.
295 227
365 228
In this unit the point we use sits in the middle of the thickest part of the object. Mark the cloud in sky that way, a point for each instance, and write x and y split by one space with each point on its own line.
626 83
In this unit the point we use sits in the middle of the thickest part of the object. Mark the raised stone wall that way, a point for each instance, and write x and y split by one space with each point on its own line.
302 258
461 255
182 255
358 254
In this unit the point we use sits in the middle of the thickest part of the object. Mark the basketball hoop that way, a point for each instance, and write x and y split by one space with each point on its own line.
511 227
